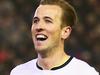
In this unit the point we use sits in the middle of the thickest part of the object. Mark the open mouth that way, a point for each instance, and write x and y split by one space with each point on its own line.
41 37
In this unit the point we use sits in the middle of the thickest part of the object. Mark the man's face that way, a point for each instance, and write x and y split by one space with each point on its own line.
46 27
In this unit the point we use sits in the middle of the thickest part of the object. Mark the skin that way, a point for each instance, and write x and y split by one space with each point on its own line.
47 21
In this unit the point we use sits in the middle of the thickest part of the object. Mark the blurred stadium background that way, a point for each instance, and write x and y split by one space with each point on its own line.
16 44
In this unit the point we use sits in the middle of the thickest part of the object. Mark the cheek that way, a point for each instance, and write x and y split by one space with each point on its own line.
33 32
32 29
55 33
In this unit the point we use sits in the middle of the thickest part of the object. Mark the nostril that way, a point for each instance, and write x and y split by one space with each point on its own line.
39 29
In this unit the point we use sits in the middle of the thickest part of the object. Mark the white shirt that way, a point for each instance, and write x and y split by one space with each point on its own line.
73 66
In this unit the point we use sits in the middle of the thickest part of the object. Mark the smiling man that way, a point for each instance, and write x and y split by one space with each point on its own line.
51 25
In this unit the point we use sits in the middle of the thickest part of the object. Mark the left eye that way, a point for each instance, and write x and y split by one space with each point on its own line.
48 21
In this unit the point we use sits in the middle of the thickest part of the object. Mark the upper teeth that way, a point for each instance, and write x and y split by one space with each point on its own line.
41 36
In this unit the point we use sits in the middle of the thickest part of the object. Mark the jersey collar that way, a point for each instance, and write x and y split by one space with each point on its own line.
58 67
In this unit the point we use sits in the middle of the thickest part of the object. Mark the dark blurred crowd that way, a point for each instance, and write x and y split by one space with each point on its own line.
16 44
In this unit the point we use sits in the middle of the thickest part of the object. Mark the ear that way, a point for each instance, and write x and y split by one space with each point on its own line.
66 32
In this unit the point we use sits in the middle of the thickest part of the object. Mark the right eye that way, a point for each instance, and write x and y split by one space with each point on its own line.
35 21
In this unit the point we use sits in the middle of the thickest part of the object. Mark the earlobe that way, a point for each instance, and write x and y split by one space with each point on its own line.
66 32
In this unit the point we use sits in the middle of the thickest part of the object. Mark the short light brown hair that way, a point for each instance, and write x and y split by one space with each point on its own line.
69 17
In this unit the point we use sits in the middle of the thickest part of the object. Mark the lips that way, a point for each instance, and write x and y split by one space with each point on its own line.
41 37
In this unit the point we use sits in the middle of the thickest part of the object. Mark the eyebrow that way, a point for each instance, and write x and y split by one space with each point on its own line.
35 18
45 17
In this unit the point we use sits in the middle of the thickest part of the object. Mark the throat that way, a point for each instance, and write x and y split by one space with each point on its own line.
53 61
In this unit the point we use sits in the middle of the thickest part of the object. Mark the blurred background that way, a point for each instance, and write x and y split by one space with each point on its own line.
16 44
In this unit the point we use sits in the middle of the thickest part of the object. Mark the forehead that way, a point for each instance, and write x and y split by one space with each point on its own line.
48 10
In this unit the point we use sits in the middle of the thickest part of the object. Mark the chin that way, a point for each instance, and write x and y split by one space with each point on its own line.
41 50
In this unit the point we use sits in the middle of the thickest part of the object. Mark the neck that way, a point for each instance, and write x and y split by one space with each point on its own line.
52 59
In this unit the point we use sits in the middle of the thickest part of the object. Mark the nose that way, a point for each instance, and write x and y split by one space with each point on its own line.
39 27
